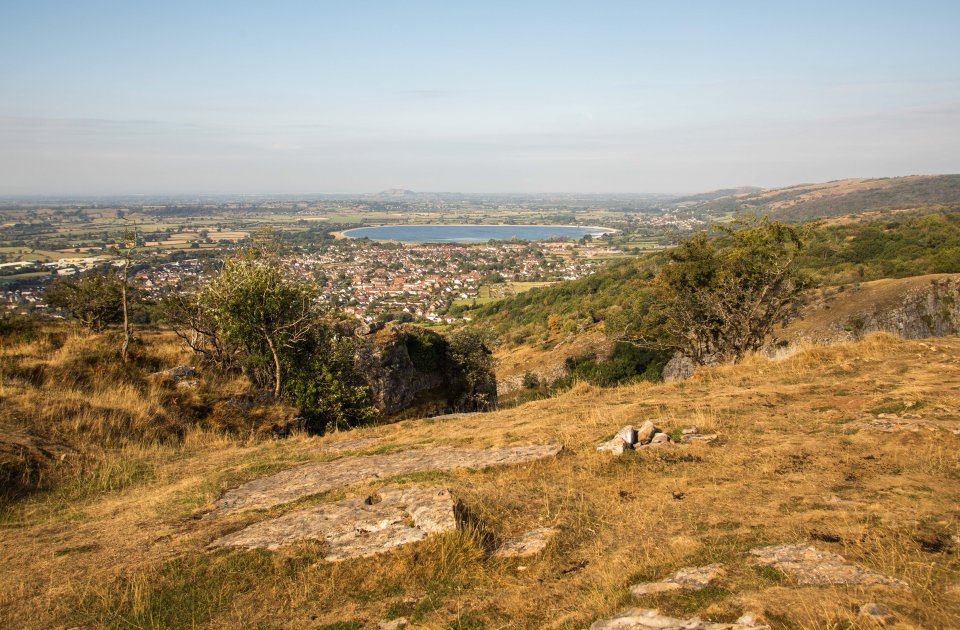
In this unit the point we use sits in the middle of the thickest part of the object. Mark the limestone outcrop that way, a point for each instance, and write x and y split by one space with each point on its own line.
688 578
812 566
357 527
413 370
646 619
317 477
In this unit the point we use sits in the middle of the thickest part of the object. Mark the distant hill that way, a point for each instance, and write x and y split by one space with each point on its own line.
397 193
711 195
807 202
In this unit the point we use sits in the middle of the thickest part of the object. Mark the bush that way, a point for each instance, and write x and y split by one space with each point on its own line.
328 388
627 363
531 381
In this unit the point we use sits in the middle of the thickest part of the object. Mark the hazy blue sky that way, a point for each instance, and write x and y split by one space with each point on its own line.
353 96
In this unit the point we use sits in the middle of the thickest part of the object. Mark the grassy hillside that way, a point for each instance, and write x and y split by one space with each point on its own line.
795 463
839 253
806 202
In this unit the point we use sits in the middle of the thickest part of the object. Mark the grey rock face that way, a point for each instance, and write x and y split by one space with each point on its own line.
628 434
316 477
930 312
811 566
357 527
410 368
678 368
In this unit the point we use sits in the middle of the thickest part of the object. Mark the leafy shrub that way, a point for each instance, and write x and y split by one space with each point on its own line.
626 363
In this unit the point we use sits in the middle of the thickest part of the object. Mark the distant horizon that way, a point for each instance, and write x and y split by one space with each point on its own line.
384 191
115 98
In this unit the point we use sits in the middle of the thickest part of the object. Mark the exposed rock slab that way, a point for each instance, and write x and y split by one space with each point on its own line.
349 445
688 578
812 566
357 527
890 423
316 477
530 544
646 619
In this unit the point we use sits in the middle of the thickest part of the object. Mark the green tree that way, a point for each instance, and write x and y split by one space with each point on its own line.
94 299
256 305
470 351
327 386
720 297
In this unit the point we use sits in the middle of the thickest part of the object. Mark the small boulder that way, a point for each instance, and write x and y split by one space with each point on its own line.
393 624
660 438
628 434
616 446
679 368
646 432
698 437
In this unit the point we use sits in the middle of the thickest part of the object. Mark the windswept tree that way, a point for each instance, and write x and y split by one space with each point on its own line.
127 251
720 297
196 327
94 299
256 305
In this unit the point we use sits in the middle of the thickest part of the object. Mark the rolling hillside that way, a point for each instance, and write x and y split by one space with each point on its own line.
806 202
831 449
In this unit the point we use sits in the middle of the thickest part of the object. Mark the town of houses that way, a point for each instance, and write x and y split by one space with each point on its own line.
368 280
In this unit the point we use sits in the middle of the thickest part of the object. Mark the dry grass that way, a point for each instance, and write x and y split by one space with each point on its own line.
792 466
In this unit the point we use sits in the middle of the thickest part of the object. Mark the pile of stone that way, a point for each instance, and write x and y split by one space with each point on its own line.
649 435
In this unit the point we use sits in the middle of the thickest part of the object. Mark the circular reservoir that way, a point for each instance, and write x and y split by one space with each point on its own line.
472 233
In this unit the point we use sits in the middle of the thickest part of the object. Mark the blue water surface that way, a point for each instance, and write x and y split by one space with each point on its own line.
470 233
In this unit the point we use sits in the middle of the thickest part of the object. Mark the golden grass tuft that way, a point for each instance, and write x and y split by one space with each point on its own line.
117 544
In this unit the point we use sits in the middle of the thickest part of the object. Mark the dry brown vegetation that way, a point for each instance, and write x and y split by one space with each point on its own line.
121 545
